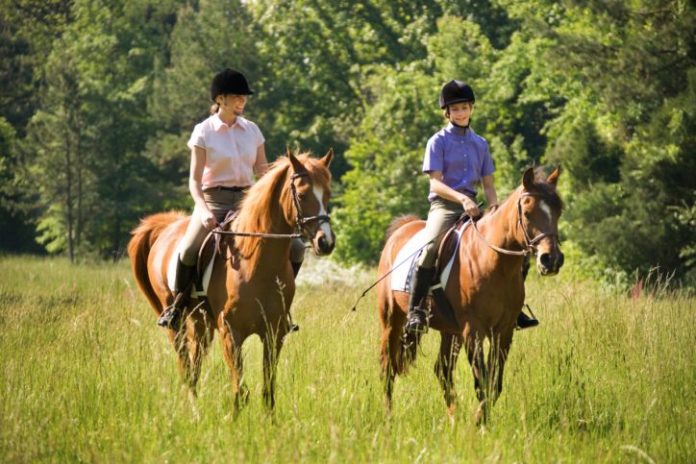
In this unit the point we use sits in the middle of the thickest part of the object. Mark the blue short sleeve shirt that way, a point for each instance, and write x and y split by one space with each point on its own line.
461 155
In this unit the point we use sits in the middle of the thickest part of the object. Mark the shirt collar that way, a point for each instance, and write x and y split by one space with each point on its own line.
456 130
220 125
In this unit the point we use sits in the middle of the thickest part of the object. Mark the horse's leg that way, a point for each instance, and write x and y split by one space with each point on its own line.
391 352
200 336
500 347
180 343
474 352
232 352
444 367
272 344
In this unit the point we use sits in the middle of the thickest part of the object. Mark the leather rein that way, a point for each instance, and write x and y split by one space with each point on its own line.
529 243
300 219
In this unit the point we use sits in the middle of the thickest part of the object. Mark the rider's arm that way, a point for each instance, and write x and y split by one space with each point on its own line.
489 190
198 157
439 188
261 164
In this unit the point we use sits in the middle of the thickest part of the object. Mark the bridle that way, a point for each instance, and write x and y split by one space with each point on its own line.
530 244
300 219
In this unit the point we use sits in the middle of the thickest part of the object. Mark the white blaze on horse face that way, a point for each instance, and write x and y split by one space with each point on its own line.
545 208
325 226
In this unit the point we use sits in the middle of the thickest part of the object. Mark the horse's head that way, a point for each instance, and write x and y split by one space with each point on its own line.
539 208
310 189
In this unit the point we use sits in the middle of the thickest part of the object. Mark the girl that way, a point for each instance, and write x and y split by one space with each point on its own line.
456 159
227 151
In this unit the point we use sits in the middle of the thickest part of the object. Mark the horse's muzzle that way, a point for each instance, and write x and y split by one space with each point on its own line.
550 263
323 244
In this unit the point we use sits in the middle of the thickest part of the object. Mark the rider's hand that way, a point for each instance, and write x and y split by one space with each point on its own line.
208 219
472 210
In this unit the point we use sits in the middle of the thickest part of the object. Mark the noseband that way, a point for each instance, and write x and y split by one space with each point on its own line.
530 244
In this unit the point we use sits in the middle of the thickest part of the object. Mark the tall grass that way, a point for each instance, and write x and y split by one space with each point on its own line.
85 375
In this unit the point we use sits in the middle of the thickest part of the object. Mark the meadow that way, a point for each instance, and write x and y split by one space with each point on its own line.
87 376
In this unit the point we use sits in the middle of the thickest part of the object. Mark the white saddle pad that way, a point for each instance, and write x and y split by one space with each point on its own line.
406 261
171 273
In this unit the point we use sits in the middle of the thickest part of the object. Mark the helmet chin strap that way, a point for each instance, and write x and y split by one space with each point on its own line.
461 127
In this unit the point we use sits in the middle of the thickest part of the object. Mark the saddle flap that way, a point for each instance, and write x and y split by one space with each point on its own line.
448 246
407 258
205 257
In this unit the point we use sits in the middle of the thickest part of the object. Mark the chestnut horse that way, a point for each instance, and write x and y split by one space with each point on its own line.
252 293
485 289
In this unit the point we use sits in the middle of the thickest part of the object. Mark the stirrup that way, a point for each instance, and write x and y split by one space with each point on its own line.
171 316
416 326
417 321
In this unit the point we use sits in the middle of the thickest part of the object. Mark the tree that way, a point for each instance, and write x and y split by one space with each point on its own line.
625 132
385 180
88 136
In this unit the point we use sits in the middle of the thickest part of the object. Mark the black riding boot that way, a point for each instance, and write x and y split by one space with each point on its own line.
171 316
524 321
417 319
295 268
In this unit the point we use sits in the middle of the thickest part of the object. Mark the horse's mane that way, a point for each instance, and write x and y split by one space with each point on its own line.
270 190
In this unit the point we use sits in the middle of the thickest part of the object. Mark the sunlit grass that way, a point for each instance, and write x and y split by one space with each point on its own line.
87 376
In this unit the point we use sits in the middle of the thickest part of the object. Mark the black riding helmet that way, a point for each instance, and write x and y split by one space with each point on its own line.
229 81
455 92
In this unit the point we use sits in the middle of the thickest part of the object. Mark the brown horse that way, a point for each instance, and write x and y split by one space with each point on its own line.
252 293
485 289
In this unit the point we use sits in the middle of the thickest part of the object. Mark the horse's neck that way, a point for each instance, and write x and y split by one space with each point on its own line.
498 229
268 253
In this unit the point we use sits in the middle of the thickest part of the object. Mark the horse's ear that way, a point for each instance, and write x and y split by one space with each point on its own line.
326 160
297 166
553 177
528 179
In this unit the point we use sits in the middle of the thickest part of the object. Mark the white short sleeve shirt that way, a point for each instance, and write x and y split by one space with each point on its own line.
230 151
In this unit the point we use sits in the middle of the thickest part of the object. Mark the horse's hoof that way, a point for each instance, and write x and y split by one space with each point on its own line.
481 416
244 394
388 407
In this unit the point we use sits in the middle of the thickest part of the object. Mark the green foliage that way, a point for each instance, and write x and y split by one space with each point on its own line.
101 97
385 181
627 141
16 227
27 30
86 141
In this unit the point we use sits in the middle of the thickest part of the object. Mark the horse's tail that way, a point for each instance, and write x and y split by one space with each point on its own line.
144 237
398 222
392 356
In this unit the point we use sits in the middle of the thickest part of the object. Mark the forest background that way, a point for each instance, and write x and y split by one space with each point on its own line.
99 97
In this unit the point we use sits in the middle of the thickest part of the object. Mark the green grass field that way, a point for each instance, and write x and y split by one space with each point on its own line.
86 376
